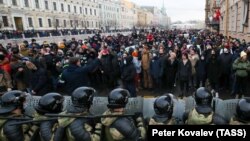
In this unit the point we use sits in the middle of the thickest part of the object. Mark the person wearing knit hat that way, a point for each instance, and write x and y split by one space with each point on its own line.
241 66
243 54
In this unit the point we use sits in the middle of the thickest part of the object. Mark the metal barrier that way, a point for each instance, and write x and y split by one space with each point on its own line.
224 108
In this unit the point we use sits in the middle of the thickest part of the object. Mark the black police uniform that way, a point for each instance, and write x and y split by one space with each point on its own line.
11 101
163 107
49 103
203 114
81 129
242 116
121 128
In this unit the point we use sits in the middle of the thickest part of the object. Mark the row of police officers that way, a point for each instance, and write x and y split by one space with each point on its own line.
51 123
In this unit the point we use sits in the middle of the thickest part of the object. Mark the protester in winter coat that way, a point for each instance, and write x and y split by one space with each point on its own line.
128 75
226 60
76 76
171 70
155 71
201 72
39 83
241 66
137 64
145 67
212 73
184 74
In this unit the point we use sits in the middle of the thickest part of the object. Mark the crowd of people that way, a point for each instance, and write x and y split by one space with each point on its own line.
154 60
14 34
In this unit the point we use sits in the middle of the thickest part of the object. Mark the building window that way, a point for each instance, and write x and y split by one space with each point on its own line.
5 21
81 10
49 23
1 1
40 22
87 23
95 12
62 7
68 8
90 11
86 11
14 2
75 9
96 25
37 3
54 4
57 22
46 5
26 3
30 22
76 23
64 23
71 23
82 24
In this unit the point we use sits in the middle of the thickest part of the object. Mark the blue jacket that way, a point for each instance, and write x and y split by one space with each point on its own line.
155 68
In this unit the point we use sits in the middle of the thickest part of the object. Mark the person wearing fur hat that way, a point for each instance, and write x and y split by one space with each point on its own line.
241 66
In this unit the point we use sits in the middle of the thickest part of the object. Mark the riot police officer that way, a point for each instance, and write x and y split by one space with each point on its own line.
49 103
203 113
81 129
120 127
242 116
12 106
163 107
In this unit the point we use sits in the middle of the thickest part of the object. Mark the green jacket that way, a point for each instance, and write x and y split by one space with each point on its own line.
241 67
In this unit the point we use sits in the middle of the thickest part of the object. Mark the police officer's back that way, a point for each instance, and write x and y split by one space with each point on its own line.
163 107
51 103
203 113
242 116
81 129
12 106
121 128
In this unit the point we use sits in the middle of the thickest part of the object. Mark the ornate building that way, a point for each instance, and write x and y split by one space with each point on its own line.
48 14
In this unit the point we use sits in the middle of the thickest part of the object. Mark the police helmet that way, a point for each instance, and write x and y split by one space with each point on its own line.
50 103
203 98
243 109
118 98
164 105
82 97
12 100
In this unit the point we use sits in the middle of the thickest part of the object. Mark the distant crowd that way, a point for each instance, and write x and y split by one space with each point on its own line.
13 34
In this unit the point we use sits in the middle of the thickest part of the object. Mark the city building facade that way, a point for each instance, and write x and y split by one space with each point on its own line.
21 15
212 22
49 14
160 18
235 19
110 14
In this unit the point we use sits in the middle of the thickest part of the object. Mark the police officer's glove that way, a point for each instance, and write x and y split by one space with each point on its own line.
97 120
139 119
140 124
138 115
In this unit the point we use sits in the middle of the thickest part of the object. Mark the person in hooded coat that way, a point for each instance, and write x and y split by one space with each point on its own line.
128 75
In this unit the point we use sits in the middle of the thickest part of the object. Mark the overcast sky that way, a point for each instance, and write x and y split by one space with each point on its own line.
179 10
